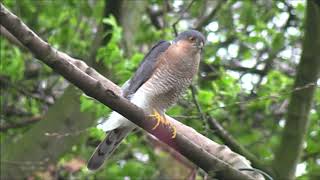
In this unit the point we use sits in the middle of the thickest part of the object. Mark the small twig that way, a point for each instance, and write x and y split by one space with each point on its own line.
185 117
26 163
233 144
205 20
195 101
154 16
174 154
26 92
20 124
271 96
181 16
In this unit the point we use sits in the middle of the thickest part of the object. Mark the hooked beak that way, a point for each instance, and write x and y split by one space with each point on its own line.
199 44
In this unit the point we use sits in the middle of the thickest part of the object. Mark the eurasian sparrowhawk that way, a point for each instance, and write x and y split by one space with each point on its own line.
164 74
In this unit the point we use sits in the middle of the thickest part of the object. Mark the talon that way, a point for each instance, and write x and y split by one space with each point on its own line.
167 123
174 131
162 120
158 117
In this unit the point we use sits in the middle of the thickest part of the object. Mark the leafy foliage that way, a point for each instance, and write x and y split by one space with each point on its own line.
234 86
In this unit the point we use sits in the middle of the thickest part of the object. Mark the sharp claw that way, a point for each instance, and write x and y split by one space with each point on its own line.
157 117
174 132
158 123
162 120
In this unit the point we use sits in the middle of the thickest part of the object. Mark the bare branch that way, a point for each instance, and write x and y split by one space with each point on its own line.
234 145
206 19
181 16
224 135
47 99
20 124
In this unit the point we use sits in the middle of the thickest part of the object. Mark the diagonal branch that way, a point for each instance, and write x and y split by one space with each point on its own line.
206 19
180 18
11 38
234 145
187 142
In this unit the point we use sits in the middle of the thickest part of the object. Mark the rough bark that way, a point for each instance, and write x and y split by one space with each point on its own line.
105 91
297 118
11 38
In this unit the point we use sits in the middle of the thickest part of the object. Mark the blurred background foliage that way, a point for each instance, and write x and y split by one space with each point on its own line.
244 82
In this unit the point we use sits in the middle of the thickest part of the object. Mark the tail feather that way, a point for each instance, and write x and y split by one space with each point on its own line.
107 146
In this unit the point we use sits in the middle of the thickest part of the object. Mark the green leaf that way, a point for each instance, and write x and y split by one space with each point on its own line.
277 42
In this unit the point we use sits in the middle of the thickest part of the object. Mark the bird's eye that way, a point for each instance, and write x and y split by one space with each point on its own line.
191 38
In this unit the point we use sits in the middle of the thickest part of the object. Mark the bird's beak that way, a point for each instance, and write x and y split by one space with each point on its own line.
200 45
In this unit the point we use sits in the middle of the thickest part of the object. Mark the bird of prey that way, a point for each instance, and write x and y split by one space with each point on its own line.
163 75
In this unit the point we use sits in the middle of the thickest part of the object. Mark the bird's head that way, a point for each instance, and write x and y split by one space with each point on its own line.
191 39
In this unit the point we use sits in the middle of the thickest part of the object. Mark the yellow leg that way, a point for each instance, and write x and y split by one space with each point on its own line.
162 120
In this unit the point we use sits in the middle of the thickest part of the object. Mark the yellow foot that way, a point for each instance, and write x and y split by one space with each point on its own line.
162 120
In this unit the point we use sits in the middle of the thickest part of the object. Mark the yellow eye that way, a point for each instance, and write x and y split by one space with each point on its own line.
191 38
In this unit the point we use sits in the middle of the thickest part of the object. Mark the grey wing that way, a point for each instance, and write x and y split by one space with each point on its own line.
146 69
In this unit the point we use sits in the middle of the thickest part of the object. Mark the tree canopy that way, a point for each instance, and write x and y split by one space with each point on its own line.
257 89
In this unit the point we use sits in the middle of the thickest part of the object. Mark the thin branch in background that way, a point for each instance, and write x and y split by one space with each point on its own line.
174 154
272 56
47 99
10 110
60 135
227 138
195 101
203 21
180 18
185 117
155 17
22 123
223 134
72 133
26 163
271 96
244 69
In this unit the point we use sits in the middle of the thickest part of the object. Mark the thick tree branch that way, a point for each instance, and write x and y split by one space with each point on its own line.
95 85
308 72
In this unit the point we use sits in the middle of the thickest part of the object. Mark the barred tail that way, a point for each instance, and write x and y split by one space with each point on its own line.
107 146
